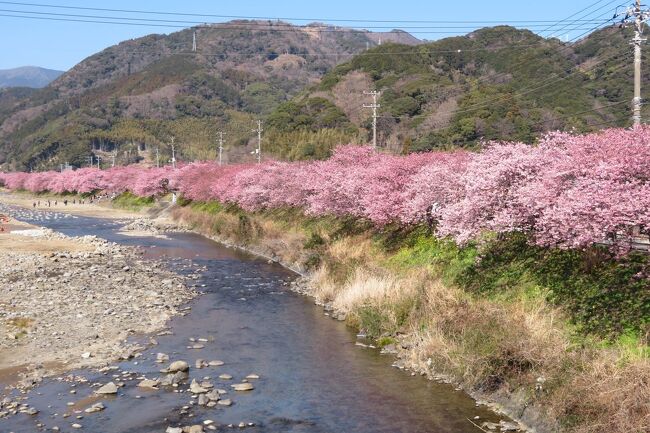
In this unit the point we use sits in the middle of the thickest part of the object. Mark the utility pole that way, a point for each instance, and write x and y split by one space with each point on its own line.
157 158
374 107
113 156
98 159
259 141
194 41
173 154
636 16
639 20
220 146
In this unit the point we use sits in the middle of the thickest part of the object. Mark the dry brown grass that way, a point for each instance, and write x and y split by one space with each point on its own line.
518 352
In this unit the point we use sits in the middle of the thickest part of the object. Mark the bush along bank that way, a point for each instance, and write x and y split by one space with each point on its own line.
558 338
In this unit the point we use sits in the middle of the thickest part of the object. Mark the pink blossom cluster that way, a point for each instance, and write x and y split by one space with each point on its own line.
568 190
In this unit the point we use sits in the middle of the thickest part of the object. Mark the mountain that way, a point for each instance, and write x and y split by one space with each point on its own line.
28 76
138 94
307 84
495 83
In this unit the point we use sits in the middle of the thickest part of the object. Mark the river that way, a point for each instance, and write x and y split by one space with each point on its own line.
313 376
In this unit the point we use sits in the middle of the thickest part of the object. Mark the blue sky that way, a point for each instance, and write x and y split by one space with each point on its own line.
60 45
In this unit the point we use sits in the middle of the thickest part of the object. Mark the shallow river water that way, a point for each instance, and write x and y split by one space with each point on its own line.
313 378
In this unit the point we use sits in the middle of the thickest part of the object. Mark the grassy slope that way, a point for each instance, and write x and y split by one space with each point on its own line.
516 326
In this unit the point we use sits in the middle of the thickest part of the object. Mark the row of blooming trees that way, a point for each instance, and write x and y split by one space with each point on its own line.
568 191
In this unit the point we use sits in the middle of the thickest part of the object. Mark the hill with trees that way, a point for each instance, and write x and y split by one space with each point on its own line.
496 83
307 84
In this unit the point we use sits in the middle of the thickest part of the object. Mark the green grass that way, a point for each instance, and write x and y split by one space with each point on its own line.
130 201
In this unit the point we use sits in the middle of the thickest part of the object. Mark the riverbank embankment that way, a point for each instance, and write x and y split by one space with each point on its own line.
478 318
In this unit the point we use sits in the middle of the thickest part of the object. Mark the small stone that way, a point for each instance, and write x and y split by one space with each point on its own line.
174 430
160 358
243 386
149 383
225 376
252 376
213 395
97 407
225 402
178 366
86 355
76 425
195 388
109 388
215 363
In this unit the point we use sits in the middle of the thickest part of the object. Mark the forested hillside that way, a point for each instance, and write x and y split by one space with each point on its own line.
307 84
496 83
139 93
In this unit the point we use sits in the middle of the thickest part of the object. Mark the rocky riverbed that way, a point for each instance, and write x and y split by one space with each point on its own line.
76 306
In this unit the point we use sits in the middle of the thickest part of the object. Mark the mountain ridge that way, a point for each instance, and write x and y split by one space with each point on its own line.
307 83
28 76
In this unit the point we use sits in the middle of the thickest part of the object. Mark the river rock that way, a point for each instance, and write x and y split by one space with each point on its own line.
174 430
109 388
195 388
508 426
215 363
213 395
149 383
203 400
243 386
193 429
252 376
225 402
160 358
97 407
225 376
178 366
174 379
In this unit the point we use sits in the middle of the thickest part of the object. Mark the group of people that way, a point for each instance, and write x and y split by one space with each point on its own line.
56 202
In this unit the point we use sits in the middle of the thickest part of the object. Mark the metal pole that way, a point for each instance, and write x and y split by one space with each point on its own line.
157 158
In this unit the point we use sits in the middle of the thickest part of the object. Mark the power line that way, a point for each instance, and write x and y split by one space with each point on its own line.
204 15
249 25
226 26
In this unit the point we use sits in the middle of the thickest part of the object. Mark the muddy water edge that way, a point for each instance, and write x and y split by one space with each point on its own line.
314 376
